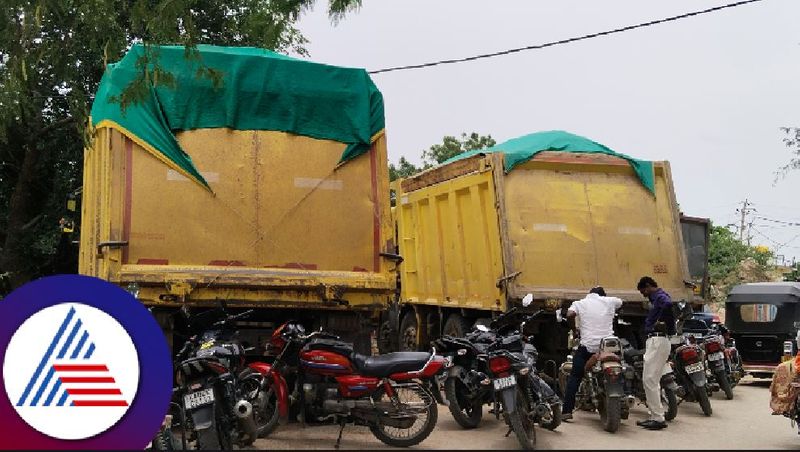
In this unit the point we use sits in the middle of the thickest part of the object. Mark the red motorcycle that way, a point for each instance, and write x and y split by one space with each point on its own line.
395 394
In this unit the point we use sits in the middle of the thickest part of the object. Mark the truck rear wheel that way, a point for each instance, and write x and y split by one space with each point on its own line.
408 333
456 326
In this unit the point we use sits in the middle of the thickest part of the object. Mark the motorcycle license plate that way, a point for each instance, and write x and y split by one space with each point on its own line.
198 398
715 356
696 367
503 383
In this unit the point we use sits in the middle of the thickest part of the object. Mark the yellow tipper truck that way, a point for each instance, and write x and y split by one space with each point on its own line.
268 190
552 214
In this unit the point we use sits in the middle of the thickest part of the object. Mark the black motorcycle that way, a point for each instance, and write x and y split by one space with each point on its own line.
688 361
466 386
219 399
520 394
716 374
634 381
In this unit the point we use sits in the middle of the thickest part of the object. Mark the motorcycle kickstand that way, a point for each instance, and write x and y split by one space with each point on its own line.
339 439
509 431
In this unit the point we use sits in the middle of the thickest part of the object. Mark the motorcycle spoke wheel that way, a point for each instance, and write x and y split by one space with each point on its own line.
407 400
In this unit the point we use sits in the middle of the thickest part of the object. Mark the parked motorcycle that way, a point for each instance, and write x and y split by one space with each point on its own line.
466 385
634 380
219 399
320 376
716 374
520 394
690 373
603 385
733 361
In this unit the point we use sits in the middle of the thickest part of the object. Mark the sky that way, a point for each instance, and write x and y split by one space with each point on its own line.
708 93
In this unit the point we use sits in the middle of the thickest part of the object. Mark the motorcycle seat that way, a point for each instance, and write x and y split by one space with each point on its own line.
631 354
390 363
602 357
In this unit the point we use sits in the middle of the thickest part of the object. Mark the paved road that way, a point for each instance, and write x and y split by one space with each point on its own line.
742 423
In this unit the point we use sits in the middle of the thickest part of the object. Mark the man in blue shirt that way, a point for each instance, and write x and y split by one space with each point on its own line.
658 326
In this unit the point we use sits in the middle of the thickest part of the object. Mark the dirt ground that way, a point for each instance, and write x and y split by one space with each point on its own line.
742 423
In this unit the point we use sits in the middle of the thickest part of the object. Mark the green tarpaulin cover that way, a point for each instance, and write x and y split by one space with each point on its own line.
260 90
524 148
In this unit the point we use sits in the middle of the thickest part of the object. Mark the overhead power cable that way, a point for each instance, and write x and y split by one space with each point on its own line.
565 41
787 223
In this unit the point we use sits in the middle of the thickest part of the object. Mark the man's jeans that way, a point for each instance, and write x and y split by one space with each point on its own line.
579 360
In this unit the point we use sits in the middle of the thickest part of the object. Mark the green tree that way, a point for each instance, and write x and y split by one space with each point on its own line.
452 146
52 56
403 169
792 141
726 254
439 153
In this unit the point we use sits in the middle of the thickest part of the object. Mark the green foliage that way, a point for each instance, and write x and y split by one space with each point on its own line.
726 253
438 153
52 56
792 141
452 146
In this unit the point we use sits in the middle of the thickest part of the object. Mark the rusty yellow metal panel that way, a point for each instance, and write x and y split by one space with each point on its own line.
283 220
575 223
449 239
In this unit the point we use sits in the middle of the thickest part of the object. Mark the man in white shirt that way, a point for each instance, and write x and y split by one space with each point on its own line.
595 314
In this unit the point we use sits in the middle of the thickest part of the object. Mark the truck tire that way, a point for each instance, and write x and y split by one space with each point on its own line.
456 326
408 333
386 339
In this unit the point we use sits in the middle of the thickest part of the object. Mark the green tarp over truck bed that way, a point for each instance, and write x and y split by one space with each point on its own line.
260 90
521 149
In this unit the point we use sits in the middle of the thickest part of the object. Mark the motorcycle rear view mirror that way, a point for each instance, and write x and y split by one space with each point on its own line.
527 300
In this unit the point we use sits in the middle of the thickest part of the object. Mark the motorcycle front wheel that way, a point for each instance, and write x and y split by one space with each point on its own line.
412 400
466 415
521 422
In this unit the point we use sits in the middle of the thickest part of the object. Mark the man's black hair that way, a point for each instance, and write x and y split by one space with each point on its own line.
646 281
598 290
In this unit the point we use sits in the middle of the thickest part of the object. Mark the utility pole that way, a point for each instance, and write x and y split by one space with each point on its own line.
744 211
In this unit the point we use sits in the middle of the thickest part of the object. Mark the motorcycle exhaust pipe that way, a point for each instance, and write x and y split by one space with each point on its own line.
542 410
244 412
630 401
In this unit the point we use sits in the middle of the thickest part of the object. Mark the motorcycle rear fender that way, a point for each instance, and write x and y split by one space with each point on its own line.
509 398
203 417
614 387
698 378
716 365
